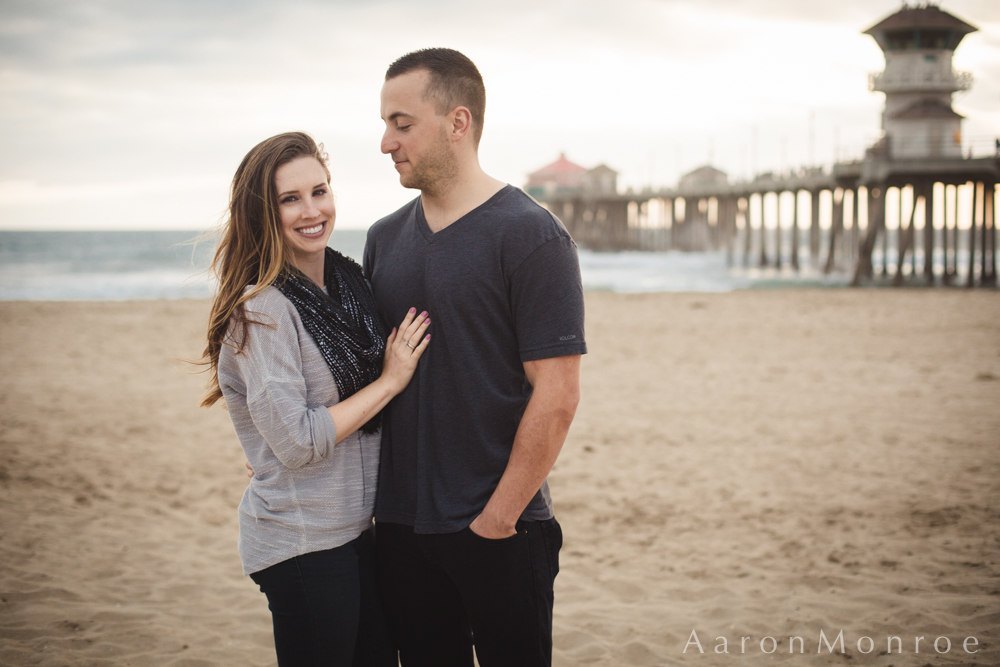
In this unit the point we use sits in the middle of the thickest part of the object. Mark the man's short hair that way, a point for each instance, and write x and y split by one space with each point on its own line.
454 81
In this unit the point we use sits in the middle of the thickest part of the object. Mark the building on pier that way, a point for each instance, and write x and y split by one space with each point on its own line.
560 178
602 180
706 176
563 177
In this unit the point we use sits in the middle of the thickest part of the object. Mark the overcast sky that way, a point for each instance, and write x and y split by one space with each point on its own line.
127 114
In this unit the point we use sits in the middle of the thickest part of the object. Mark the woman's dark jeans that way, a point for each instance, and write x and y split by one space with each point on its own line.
325 608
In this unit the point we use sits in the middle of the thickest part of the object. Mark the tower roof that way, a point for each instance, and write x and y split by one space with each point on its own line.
927 108
918 18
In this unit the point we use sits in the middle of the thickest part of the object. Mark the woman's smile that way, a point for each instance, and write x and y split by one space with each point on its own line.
312 231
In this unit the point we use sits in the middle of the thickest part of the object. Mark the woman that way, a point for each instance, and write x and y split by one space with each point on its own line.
295 346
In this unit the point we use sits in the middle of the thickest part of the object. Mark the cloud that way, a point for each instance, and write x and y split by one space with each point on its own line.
19 193
131 93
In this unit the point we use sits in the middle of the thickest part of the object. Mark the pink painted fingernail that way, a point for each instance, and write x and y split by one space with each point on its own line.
412 310
423 314
427 321
427 337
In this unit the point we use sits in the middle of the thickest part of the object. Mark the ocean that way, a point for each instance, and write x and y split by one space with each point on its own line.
126 265
116 266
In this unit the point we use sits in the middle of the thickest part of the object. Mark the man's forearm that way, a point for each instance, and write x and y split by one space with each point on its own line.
537 444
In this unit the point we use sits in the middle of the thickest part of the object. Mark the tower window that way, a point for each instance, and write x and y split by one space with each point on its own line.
898 40
933 39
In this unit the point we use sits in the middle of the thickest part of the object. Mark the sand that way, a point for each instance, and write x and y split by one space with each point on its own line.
754 464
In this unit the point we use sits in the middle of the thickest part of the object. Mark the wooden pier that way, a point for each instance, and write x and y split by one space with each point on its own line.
731 217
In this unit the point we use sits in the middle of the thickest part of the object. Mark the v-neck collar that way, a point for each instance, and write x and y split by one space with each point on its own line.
425 229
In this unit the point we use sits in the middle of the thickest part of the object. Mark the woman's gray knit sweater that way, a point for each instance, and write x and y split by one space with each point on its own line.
306 494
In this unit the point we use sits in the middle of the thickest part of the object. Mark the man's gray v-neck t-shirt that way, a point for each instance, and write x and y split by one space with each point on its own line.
502 287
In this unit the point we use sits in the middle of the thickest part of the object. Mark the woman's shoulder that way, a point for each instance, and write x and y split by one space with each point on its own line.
268 301
268 307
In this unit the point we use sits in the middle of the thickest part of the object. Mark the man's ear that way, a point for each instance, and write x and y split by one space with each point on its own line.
461 123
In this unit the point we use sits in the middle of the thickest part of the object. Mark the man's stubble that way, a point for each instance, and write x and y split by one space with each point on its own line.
435 170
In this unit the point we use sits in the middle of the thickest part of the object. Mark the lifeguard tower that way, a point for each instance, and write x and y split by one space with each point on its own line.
918 82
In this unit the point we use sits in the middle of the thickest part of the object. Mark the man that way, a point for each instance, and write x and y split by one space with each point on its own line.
468 545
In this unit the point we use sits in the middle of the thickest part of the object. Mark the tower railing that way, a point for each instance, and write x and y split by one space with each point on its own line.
928 80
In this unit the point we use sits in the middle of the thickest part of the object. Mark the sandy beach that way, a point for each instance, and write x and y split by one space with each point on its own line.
752 464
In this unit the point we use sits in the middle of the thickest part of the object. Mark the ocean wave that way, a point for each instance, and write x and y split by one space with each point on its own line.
671 271
104 286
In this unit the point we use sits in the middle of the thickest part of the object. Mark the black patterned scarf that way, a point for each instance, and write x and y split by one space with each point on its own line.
345 324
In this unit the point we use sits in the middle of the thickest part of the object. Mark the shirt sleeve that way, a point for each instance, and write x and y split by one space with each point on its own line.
271 368
368 257
546 295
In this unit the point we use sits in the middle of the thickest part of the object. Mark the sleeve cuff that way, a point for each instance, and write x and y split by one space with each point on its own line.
324 432
549 351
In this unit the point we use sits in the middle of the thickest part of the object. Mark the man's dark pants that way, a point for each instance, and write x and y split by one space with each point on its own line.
442 592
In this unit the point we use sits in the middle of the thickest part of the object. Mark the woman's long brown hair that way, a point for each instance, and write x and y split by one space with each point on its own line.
251 248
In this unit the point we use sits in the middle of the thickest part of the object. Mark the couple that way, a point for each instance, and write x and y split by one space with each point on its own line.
466 549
